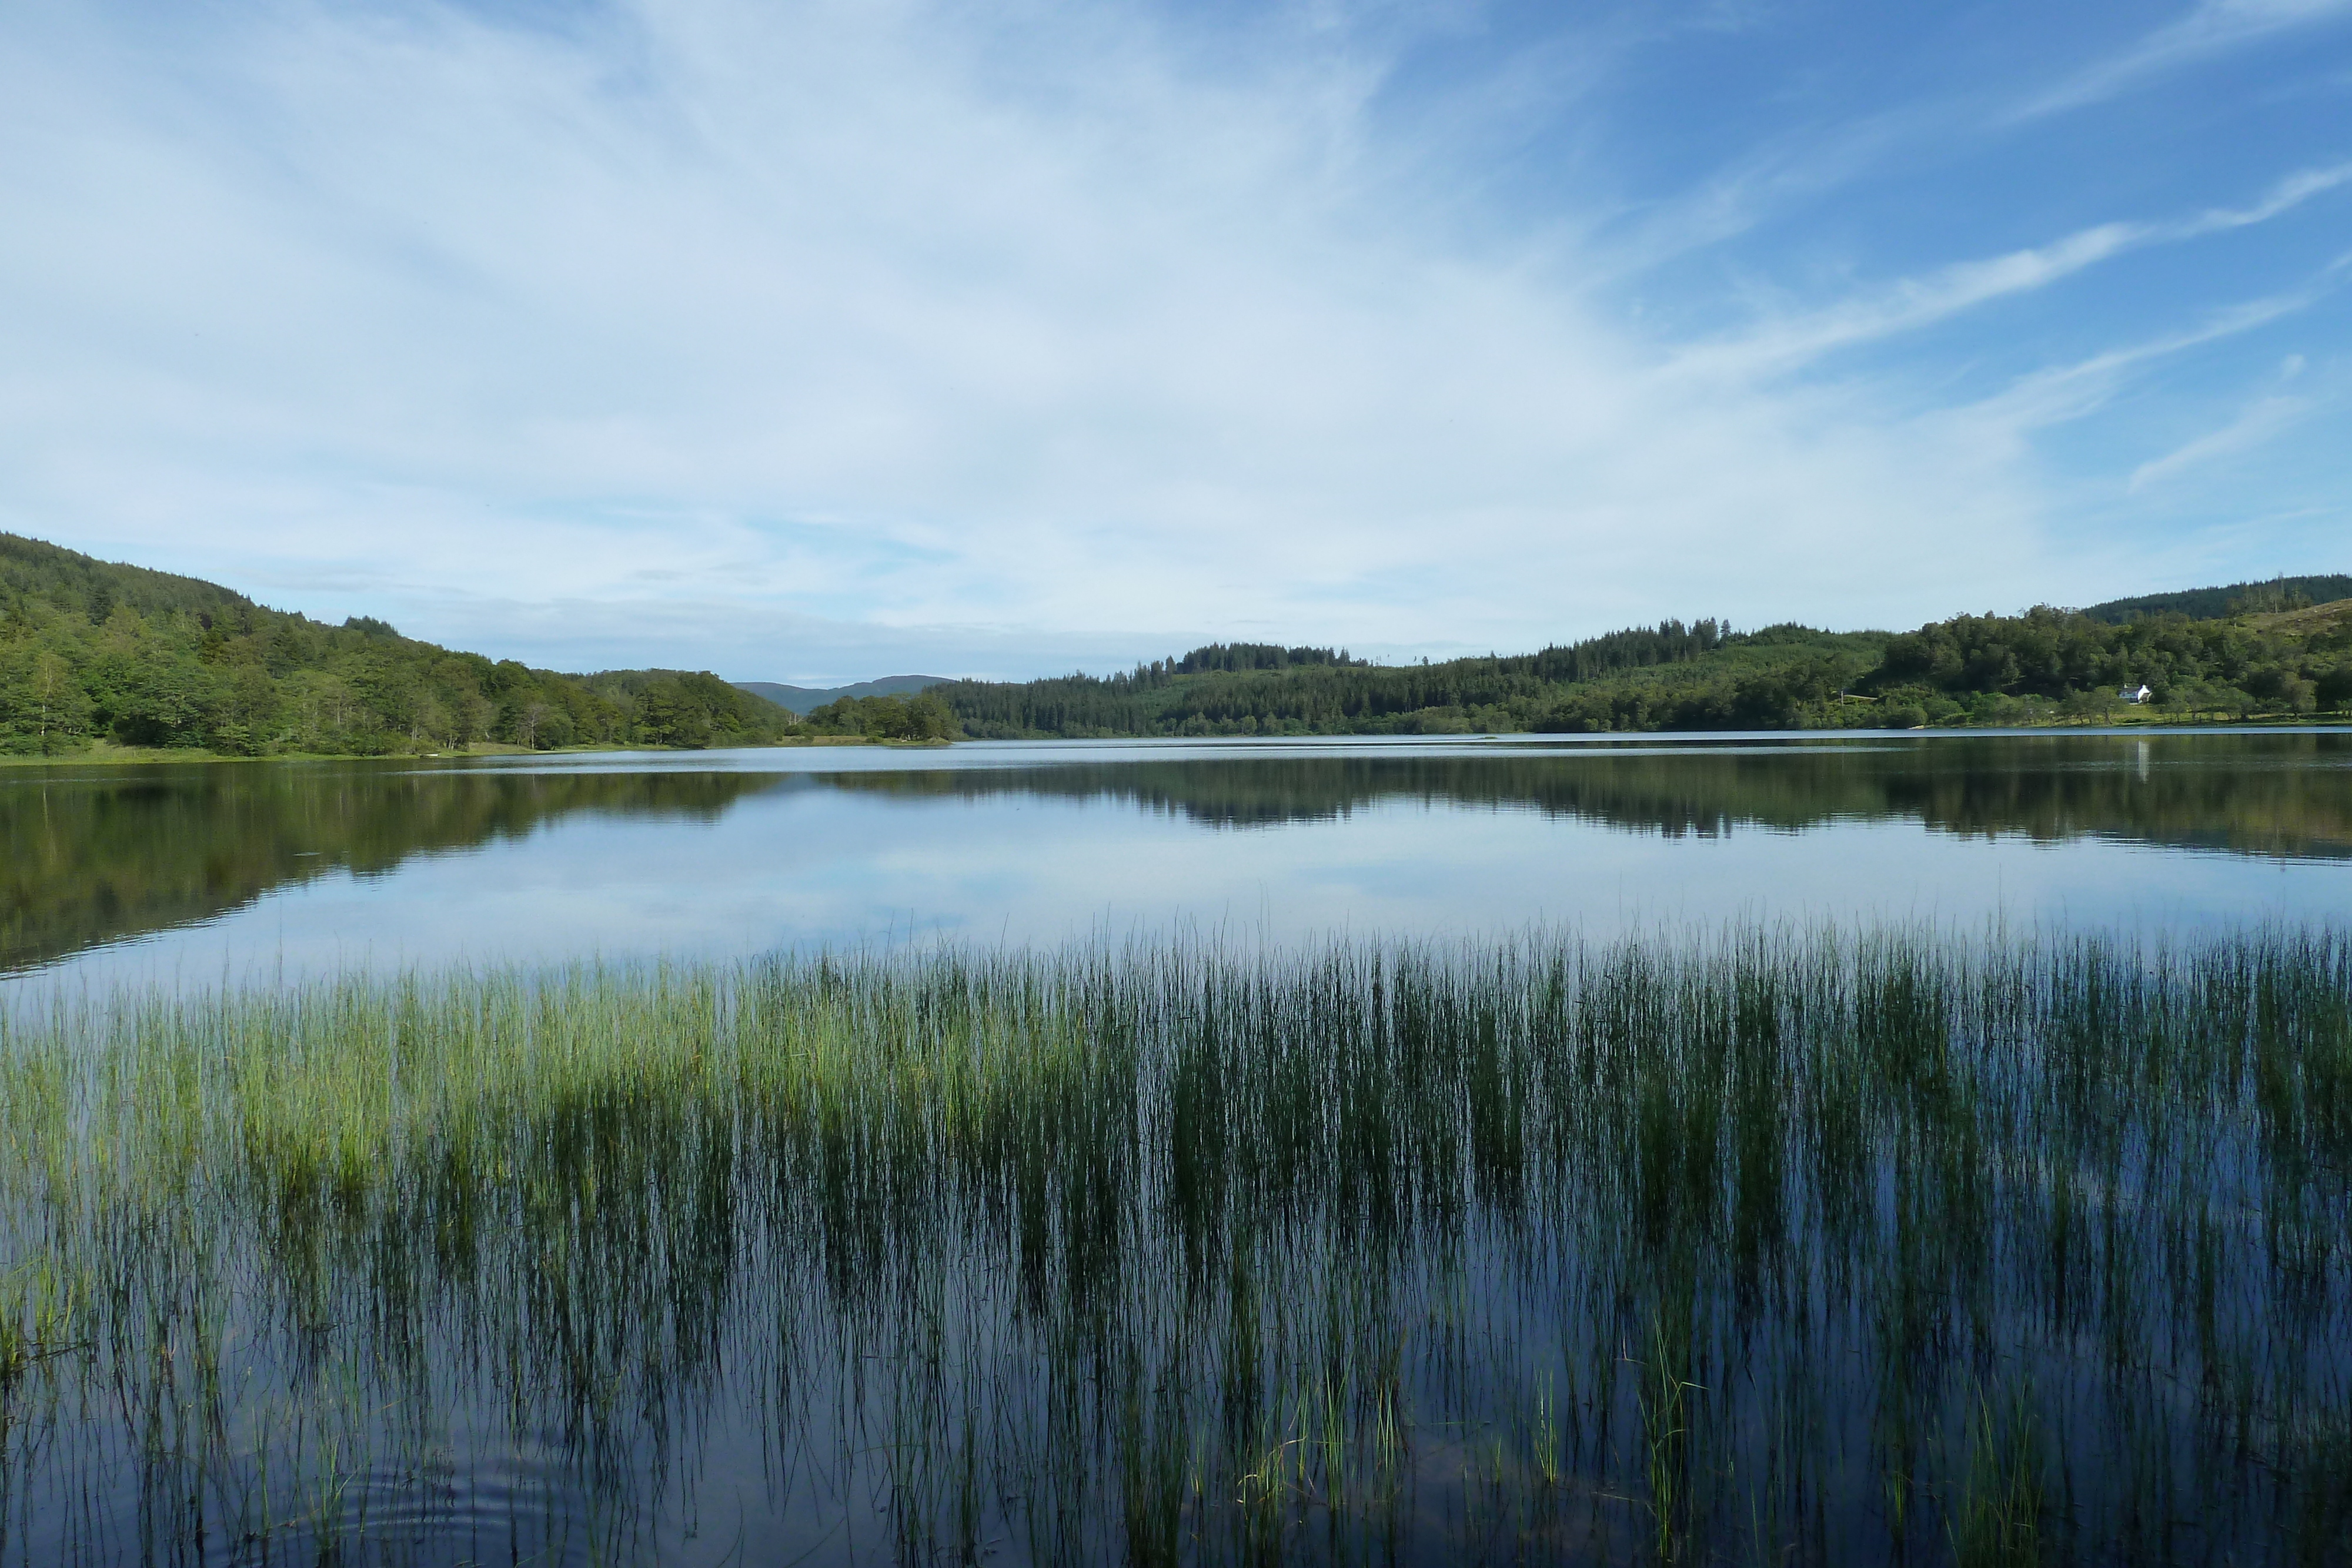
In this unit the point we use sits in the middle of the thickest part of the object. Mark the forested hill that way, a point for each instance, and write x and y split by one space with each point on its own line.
2280 593
91 652
1636 679
1674 675
94 650
2045 666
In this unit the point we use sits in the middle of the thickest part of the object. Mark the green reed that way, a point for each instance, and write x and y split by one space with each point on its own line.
1763 1246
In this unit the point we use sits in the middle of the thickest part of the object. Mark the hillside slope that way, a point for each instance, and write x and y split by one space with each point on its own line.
1673 675
2234 599
2044 667
92 649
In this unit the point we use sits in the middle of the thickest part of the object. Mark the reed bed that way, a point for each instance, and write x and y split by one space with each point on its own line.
1760 1247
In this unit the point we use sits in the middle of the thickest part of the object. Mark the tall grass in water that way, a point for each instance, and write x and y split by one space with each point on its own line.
1769 1247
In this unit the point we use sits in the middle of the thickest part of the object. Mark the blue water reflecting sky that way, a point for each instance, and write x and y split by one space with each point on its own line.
1048 843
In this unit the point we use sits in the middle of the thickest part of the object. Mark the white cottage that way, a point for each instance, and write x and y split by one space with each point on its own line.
2134 693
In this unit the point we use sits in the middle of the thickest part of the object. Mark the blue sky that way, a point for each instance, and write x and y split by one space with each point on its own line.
817 342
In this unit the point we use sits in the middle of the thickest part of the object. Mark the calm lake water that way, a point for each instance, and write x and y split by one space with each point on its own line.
1807 1246
194 874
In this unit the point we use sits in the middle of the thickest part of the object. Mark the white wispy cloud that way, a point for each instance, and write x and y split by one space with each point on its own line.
2209 28
2258 422
2286 195
848 313
2058 393
1911 304
906 325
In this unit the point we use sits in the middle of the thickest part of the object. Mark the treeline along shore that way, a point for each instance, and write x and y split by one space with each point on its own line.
94 652
2277 651
99 654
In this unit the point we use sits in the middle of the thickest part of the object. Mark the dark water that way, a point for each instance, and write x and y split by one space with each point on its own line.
203 872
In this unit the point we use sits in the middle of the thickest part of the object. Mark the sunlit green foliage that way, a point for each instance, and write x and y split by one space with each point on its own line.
2272 663
2042 667
690 708
93 650
1673 675
90 651
921 716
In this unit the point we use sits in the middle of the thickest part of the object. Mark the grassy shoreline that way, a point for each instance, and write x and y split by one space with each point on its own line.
1763 1245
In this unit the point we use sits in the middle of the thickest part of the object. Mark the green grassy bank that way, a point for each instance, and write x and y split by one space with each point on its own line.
1764 1247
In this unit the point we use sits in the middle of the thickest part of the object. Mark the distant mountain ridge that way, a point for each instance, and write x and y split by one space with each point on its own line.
803 700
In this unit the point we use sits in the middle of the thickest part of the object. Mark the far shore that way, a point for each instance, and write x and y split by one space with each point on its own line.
106 753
